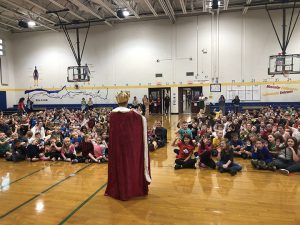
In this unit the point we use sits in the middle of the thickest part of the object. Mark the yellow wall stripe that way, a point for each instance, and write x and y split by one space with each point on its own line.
157 86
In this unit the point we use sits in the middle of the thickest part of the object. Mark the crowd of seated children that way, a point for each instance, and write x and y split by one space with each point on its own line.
268 137
56 134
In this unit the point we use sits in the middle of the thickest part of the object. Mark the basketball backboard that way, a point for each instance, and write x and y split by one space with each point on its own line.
79 74
282 64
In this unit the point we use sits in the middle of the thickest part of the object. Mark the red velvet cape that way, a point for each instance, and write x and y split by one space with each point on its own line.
126 177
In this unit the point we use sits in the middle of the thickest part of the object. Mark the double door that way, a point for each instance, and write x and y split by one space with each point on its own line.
188 99
158 96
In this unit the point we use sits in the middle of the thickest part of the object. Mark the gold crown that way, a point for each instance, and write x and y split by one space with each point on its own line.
123 97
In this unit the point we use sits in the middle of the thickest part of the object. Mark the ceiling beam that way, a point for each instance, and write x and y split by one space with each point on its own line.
170 8
44 9
204 8
103 4
88 10
151 7
27 17
130 9
245 9
70 11
4 29
166 10
226 4
9 25
8 18
28 11
182 4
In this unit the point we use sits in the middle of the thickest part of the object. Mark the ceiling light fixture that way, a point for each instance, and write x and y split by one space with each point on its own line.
31 23
26 24
122 13
126 13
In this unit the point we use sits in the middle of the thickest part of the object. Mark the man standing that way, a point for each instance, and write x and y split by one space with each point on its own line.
128 167
167 103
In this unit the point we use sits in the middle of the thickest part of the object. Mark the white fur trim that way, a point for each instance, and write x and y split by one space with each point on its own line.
121 109
146 152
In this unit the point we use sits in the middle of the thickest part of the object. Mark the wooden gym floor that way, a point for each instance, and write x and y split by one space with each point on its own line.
61 193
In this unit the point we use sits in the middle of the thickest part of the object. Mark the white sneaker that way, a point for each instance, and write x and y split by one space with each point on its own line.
284 172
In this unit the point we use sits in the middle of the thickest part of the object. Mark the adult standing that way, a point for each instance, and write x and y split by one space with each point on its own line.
21 106
206 106
158 105
201 101
152 103
236 104
90 104
128 169
83 104
29 105
167 103
135 102
143 105
147 105
222 104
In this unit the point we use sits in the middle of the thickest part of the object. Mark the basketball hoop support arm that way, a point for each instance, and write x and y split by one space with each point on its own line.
78 54
286 37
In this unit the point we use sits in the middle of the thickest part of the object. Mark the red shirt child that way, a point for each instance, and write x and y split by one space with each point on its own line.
185 149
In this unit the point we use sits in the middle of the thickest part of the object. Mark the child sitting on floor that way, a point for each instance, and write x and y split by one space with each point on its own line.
99 150
237 146
216 142
225 157
86 148
68 152
184 130
4 144
261 157
18 152
184 158
204 154
33 151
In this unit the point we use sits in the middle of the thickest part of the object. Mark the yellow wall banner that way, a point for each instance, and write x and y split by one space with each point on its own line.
271 93
283 90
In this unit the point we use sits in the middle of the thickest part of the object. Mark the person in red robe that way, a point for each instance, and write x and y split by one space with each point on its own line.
128 166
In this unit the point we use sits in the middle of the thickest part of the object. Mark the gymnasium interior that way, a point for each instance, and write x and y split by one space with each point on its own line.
66 60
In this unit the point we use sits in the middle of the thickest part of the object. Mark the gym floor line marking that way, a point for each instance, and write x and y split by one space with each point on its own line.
28 175
243 171
43 192
82 204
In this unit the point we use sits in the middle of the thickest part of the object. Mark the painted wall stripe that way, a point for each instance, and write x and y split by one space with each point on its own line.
158 86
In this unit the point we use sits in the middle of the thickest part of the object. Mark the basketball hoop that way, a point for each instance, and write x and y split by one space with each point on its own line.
285 73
